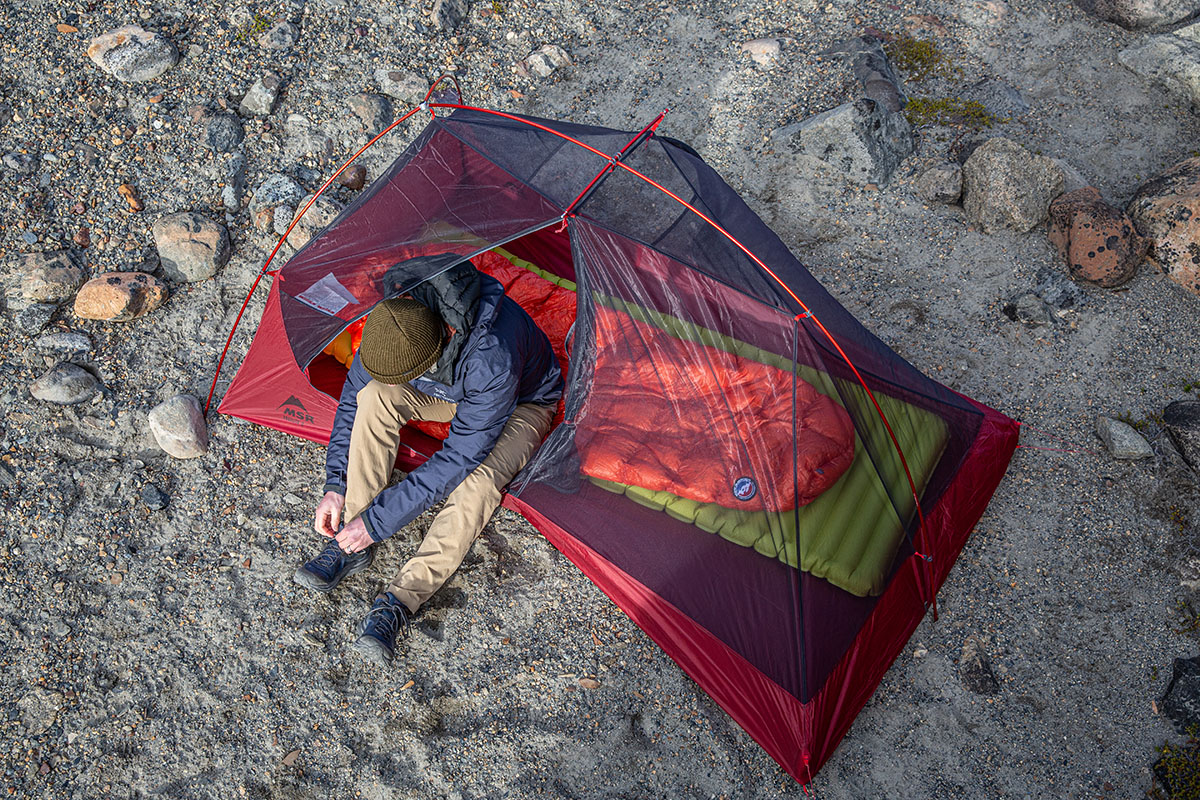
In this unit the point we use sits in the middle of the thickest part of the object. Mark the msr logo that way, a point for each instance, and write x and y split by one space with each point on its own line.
293 408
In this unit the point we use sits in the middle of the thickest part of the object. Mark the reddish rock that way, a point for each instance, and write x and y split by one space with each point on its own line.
1098 242
1166 210
354 177
119 296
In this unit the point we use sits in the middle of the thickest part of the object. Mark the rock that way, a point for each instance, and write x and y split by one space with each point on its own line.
283 219
6 114
1181 702
1006 186
543 61
292 499
65 384
224 132
190 246
133 55
1121 439
1166 210
39 710
408 87
20 163
64 343
1172 59
318 216
941 183
35 317
997 97
1098 242
1182 421
449 14
975 669
50 277
862 140
871 66
280 36
1029 309
235 183
353 177
375 111
1140 13
82 238
1058 291
306 139
119 296
178 427
154 498
277 190
763 52
262 95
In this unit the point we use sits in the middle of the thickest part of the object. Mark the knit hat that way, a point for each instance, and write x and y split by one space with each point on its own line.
401 339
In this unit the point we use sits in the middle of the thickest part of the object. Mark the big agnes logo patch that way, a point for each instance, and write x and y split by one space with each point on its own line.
293 408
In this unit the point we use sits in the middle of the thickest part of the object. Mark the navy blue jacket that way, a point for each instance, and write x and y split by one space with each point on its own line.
505 360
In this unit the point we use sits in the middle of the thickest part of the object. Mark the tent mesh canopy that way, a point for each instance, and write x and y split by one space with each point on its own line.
717 466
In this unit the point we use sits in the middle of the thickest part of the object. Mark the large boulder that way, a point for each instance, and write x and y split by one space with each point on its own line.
191 247
862 140
1140 13
1166 210
1006 186
50 277
119 296
1172 59
178 427
1182 421
133 55
1098 242
1181 702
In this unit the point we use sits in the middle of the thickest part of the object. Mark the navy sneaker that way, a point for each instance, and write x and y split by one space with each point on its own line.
328 569
377 639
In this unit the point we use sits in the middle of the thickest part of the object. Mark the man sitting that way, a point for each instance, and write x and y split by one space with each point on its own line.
492 376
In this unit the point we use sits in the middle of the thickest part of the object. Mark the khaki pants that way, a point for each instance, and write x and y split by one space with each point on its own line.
383 410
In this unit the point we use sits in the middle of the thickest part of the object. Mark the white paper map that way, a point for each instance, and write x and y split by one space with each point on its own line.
327 295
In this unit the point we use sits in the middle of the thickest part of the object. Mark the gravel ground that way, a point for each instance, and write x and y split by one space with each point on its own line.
152 653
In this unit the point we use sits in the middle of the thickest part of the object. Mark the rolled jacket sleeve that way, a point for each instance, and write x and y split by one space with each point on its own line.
337 454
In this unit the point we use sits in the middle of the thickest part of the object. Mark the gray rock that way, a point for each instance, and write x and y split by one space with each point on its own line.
862 140
975 668
1182 421
763 52
997 97
1058 291
39 710
1181 702
20 163
64 343
178 427
131 54
375 111
1029 309
544 61
65 384
408 87
1122 441
154 498
320 214
292 500
941 183
1172 60
262 95
235 183
6 114
306 139
282 219
224 132
871 66
33 318
1006 186
1140 13
50 277
449 14
280 36
277 190
190 246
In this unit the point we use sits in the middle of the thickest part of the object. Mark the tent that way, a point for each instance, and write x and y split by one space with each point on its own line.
761 484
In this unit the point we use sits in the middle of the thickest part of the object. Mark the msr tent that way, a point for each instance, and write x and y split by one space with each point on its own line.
761 484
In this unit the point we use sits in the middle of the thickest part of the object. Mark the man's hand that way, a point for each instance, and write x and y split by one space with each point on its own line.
329 513
354 537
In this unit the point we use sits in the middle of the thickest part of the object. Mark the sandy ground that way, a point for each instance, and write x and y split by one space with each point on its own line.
167 653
